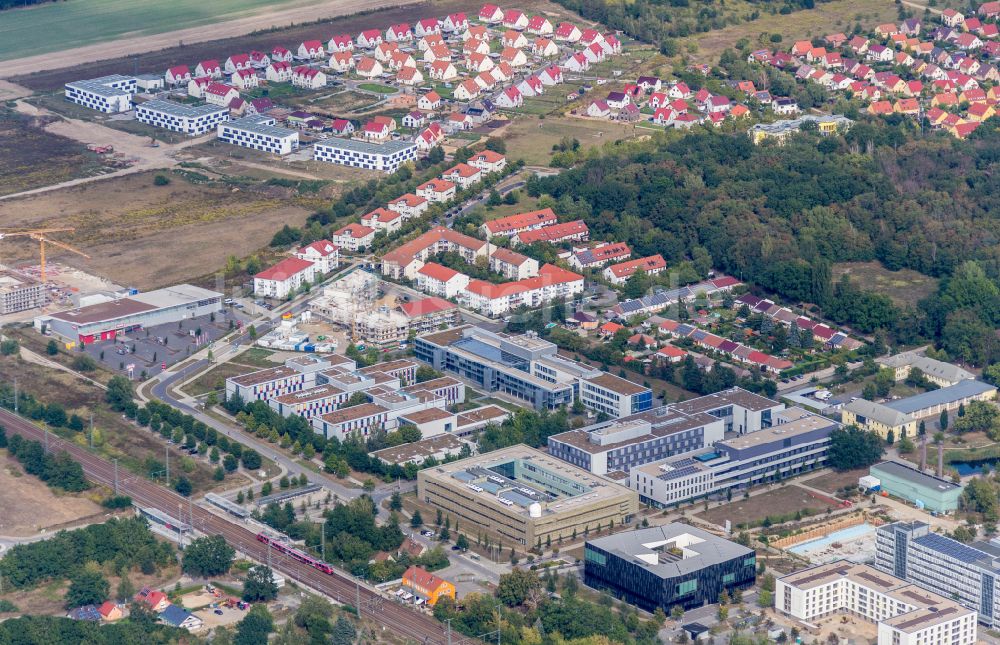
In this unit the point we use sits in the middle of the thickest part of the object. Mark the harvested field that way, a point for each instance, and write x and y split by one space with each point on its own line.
30 157
29 506
165 234
190 54
904 287
780 501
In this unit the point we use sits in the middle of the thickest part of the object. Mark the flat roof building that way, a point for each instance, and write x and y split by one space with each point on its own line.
19 292
926 491
387 156
259 133
905 613
664 566
105 320
523 496
179 117
109 94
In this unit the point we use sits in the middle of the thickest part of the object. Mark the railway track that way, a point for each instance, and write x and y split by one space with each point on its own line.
403 622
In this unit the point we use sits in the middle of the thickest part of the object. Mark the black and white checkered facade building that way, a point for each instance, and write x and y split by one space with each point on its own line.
387 156
109 94
189 119
259 133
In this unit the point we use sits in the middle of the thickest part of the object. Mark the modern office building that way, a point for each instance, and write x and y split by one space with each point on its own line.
905 613
387 156
106 320
968 573
926 491
109 94
798 442
669 565
528 368
523 496
178 117
259 133
19 292
666 431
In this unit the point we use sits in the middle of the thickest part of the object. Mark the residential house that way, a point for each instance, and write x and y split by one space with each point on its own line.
237 62
443 70
463 174
245 79
177 75
509 98
531 86
437 190
551 75
426 27
441 281
467 90
409 205
382 219
488 161
279 72
308 77
544 48
455 22
341 62
208 68
491 13
429 101
399 33
369 39
281 55
368 67
620 273
220 94
540 25
324 254
353 237
599 110
410 76
312 49
515 19
568 32
342 43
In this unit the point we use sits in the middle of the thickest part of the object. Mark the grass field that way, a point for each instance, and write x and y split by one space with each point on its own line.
73 23
532 139
377 88
905 287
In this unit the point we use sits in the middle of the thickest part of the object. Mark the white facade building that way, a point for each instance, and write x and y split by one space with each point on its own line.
283 278
387 156
109 94
189 119
259 133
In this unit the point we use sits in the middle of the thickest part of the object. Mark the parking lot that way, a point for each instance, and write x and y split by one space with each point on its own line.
151 349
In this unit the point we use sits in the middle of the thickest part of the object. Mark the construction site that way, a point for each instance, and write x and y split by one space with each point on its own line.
358 304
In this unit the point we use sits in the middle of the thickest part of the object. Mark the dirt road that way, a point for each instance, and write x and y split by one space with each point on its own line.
281 17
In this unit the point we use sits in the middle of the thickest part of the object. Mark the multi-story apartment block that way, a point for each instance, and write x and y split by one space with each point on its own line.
387 156
19 292
259 133
189 119
107 94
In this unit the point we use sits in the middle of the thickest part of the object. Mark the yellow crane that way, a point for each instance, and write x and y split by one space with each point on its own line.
39 235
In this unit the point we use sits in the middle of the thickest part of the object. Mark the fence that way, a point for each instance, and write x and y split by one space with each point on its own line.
825 529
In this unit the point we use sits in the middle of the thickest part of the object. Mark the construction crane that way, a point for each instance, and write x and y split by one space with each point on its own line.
39 236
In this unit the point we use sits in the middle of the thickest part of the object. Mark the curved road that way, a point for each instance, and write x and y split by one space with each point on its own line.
404 622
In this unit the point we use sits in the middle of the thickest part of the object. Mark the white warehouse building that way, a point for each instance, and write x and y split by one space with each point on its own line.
259 133
189 119
108 94
387 156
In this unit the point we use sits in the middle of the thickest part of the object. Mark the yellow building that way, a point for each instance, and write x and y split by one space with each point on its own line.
879 419
426 585
781 130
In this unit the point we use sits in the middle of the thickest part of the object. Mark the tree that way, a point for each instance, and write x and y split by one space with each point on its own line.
905 446
251 459
230 463
517 586
183 487
343 632
943 420
260 585
890 437
119 393
52 348
208 556
254 627
396 502
765 598
462 542
125 589
852 447
416 521
637 284
87 588
677 612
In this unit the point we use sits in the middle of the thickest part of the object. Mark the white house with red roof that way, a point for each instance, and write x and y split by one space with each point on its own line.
237 62
544 47
324 254
551 75
437 190
383 53
502 72
467 90
283 278
518 223
513 265
426 27
399 33
429 101
431 40
478 33
600 255
410 76
531 86
436 53
488 161
578 62
281 54
568 32
409 205
476 63
439 280
621 272
198 85
590 36
382 219
491 13
463 174
443 70
341 126
455 22
474 47
353 237
369 39
245 79
513 57
485 81
575 231
308 77
595 53
509 98
426 139
341 62
952 18
515 19
210 68
312 49
220 94
340 43
539 25
599 110
664 116
177 75
611 45
375 131
259 60
717 103
497 299
368 67
514 38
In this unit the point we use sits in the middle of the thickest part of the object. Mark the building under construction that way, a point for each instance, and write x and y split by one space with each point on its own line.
19 292
353 302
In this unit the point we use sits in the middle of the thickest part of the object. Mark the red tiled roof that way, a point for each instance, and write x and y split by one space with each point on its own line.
404 253
521 220
284 269
426 306
651 263
555 232
437 272
422 578
323 247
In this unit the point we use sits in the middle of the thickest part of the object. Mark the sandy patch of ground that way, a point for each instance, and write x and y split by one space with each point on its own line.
29 506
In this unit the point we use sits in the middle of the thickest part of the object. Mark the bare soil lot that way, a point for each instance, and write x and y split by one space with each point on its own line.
190 54
780 501
833 481
29 506
905 287
163 234
30 157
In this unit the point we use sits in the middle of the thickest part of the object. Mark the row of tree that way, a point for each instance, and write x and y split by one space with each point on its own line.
57 470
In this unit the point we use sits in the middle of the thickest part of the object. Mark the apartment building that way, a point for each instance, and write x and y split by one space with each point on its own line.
259 133
387 156
19 292
189 119
283 278
108 94
905 613
405 260
297 374
514 224
938 372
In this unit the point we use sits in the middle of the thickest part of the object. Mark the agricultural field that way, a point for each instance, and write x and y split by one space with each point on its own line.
905 287
63 25
31 158
164 234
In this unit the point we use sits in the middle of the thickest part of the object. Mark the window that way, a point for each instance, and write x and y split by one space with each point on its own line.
686 587
728 578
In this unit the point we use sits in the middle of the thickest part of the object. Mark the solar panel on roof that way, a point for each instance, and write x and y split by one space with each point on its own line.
951 548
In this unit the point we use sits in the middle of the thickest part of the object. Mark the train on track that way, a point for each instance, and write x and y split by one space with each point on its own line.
302 557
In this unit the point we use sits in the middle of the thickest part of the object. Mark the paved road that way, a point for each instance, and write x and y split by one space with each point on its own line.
403 621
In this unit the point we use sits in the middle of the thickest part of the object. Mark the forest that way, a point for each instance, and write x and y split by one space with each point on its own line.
779 217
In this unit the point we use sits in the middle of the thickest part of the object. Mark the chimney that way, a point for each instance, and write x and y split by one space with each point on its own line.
923 455
940 470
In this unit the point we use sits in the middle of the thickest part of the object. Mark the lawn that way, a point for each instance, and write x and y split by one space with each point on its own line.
57 26
905 287
377 88
532 139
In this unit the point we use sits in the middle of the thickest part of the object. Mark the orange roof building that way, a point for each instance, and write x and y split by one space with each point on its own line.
427 585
